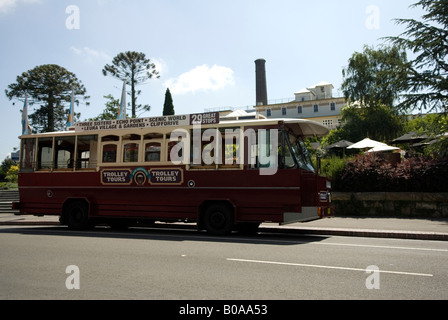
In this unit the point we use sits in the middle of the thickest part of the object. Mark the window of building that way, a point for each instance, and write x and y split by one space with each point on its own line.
283 111
316 108
268 112
333 106
299 109
328 123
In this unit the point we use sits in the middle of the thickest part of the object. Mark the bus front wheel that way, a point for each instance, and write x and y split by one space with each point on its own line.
76 215
218 219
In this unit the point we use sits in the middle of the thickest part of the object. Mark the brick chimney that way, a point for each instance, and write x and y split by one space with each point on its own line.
261 87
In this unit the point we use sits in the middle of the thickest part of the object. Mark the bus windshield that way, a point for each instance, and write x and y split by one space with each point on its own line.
298 156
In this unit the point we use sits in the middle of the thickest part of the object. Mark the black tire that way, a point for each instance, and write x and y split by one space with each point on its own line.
76 215
218 219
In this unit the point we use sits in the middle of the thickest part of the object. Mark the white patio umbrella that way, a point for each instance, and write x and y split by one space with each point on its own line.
367 144
383 148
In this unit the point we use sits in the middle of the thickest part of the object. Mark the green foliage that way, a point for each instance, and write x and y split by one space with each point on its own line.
136 69
4 168
378 123
111 111
427 79
50 86
332 167
370 173
13 174
168 106
375 77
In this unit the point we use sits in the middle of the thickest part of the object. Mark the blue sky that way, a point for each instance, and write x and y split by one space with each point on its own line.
204 49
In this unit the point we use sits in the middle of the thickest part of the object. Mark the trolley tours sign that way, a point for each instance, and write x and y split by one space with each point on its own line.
164 121
158 176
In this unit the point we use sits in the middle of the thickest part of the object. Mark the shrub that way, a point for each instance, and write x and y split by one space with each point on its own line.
370 173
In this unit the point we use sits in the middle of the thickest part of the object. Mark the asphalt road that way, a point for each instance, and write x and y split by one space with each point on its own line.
186 265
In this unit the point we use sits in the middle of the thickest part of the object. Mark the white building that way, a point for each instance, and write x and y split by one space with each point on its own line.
315 103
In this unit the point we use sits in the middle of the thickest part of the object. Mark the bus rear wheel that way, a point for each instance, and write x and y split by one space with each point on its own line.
76 215
218 219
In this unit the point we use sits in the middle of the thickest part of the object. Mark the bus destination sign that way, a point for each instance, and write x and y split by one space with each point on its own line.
162 121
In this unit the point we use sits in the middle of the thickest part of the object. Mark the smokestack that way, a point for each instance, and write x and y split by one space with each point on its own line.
261 87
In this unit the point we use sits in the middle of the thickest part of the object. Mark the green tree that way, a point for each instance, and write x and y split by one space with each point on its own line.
375 77
13 174
4 167
168 107
427 73
377 123
49 86
111 111
137 70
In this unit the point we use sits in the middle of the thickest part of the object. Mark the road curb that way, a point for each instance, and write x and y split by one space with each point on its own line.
367 233
411 235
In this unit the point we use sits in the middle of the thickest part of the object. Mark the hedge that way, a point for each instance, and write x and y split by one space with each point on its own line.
370 173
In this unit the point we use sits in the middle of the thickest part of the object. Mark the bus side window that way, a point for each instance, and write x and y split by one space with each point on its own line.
27 157
152 152
131 147
109 148
230 144
110 153
44 153
86 152
153 147
64 152
130 152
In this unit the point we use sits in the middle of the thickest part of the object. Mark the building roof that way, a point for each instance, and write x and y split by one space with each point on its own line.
321 84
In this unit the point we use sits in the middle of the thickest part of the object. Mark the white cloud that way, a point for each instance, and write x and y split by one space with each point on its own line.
90 54
201 78
161 65
7 6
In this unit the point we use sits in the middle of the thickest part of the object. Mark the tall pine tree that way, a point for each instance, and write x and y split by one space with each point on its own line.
168 107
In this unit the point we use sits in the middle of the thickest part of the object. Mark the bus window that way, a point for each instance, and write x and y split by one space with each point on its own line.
27 158
299 152
110 153
44 153
230 145
109 148
86 152
205 149
263 148
152 151
65 149
130 152
130 149
153 147
171 145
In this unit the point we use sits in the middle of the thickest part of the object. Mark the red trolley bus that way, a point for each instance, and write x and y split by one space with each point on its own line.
222 175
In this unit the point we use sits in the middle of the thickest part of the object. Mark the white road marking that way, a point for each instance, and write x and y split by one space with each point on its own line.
329 267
